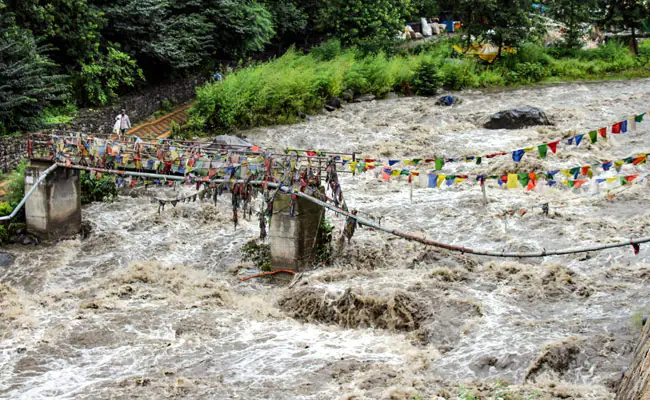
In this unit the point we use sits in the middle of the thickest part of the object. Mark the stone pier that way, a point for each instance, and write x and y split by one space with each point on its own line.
293 237
54 209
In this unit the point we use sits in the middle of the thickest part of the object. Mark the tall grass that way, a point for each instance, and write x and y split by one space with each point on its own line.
283 90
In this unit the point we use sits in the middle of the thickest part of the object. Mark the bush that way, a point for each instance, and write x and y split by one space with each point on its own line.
258 254
97 188
426 80
458 74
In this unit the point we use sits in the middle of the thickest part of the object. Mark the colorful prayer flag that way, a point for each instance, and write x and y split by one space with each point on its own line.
553 146
513 181
603 132
593 136
543 149
616 128
517 155
440 162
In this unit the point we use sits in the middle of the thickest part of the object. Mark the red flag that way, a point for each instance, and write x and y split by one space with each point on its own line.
636 248
384 175
132 183
639 160
553 146
616 128
578 183
255 148
311 153
585 170
631 178
602 132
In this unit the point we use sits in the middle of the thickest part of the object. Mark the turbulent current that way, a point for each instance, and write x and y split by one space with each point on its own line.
150 305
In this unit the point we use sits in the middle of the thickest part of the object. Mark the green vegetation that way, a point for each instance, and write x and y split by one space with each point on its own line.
85 53
323 249
279 91
97 187
258 254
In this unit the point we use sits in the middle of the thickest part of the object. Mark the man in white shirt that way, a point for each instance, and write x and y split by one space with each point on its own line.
124 121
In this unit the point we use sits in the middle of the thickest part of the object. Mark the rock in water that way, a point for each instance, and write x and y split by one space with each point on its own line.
364 98
333 104
348 95
6 260
518 118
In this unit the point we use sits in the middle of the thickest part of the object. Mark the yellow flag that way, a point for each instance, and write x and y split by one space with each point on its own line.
513 181
610 180
395 172
528 149
459 180
441 179
353 166
567 173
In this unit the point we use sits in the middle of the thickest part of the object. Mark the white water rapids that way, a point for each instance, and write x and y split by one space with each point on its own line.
149 306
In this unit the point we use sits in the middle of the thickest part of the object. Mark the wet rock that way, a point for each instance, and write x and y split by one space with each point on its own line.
348 95
517 118
333 104
6 260
86 229
364 98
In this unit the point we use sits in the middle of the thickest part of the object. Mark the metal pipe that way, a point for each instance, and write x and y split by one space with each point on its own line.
29 193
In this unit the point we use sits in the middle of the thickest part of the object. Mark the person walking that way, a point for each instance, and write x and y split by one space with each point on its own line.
124 122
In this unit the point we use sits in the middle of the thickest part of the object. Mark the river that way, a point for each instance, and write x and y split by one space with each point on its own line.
150 305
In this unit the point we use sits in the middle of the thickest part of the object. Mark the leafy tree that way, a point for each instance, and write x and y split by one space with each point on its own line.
101 79
354 21
628 14
71 27
27 80
291 23
575 14
156 37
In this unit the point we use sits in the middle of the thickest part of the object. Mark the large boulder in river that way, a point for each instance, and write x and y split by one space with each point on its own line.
517 118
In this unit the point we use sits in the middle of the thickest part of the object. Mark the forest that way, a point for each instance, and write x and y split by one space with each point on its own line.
60 55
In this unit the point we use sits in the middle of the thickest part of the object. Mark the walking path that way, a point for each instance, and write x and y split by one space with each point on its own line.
161 127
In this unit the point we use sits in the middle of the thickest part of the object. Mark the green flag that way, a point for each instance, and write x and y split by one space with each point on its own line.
593 135
478 160
440 162
524 179
543 149
639 118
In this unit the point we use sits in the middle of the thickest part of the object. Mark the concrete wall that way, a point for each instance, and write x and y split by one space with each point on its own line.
292 238
54 209
636 381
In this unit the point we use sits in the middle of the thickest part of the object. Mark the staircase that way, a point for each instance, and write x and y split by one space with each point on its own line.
161 127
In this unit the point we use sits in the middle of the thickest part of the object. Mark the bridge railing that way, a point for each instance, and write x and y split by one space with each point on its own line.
179 157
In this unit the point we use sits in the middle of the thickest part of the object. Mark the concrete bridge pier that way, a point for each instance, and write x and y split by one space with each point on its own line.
54 209
293 237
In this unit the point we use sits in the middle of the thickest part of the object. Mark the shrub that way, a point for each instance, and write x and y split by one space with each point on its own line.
97 188
258 254
459 74
426 80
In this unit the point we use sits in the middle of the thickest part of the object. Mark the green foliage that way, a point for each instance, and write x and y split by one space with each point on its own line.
99 79
354 21
27 81
575 15
15 190
59 115
258 254
5 208
94 188
457 74
323 249
426 80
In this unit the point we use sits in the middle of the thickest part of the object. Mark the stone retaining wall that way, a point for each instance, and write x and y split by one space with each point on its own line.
138 107
12 149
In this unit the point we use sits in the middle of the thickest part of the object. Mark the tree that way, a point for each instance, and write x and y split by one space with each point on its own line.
575 14
27 79
628 14
354 21
71 27
504 22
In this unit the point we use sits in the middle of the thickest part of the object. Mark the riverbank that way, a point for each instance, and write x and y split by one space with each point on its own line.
284 90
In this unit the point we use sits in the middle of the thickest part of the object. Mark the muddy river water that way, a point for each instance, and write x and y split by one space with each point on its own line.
150 305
